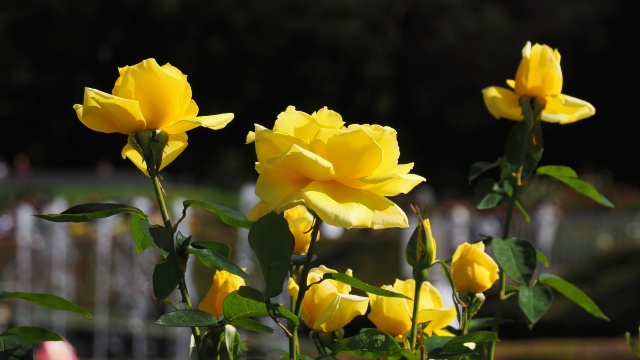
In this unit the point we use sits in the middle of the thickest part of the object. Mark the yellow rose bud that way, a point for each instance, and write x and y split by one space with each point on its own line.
147 96
393 315
421 248
538 76
472 269
343 174
224 283
300 222
327 305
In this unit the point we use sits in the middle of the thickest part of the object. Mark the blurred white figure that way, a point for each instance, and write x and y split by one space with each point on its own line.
55 350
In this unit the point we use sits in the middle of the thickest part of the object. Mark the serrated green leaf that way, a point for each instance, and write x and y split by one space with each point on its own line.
162 239
228 216
371 344
34 334
187 318
517 257
573 293
534 302
15 347
568 176
46 301
361 285
272 242
235 305
164 279
216 261
92 211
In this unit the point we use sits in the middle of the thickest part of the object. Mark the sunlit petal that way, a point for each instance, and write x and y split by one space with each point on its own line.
564 109
341 206
502 103
107 113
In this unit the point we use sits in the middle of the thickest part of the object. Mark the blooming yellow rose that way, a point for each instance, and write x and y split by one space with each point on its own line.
393 315
472 269
224 283
147 96
300 222
539 76
327 306
343 174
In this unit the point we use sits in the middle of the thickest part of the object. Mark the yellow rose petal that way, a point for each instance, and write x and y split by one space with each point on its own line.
502 103
107 113
564 109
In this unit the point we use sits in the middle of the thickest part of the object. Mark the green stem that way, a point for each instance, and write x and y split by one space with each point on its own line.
530 119
303 287
419 276
182 284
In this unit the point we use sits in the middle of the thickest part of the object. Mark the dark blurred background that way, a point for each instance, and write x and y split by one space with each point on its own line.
418 66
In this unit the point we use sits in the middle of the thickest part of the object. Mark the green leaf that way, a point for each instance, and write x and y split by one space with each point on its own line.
228 216
251 325
221 248
141 232
187 318
487 194
446 347
34 334
272 242
162 239
358 284
534 302
371 344
282 313
47 301
92 211
15 347
573 293
164 278
182 243
542 258
216 261
235 305
568 176
480 167
517 257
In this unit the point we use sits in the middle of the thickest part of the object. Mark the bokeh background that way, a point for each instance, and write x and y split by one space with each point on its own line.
416 65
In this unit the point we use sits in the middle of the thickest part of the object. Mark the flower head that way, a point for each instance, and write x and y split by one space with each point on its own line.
343 174
327 305
472 269
538 76
147 96
224 283
393 315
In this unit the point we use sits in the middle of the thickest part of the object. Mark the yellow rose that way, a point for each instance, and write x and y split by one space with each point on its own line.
327 306
300 222
539 76
343 174
393 315
147 96
472 269
224 283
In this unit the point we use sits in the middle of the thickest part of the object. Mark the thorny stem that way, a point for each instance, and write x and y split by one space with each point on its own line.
303 287
182 285
530 118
